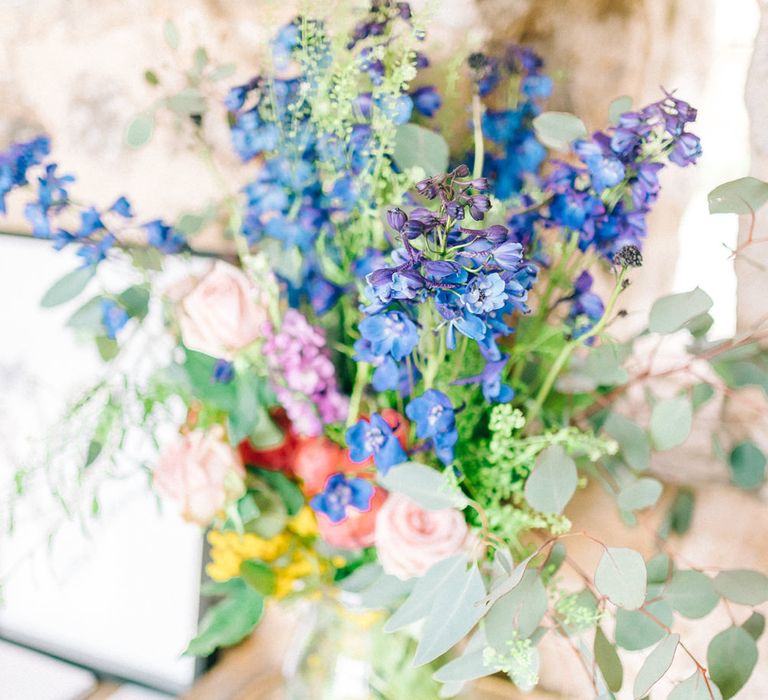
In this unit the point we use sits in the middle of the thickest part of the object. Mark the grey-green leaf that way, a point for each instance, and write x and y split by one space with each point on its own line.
424 485
188 101
742 196
608 661
422 598
754 626
558 130
742 586
517 614
656 664
139 130
673 312
635 631
454 614
747 463
68 287
640 494
671 421
467 667
171 34
731 657
695 688
619 106
692 594
621 577
416 146
552 482
632 439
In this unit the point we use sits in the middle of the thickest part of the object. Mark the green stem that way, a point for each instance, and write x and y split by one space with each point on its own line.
356 398
477 120
570 346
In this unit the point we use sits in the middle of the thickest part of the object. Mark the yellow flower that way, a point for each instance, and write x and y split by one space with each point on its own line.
229 550
303 523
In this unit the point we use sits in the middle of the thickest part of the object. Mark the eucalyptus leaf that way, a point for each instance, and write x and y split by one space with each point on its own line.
424 485
742 586
621 577
422 598
747 463
695 688
636 631
135 300
467 667
524 671
517 614
88 317
558 130
632 439
552 483
139 130
731 657
692 594
640 494
608 661
453 615
660 568
754 626
417 146
187 102
656 664
621 105
508 584
671 421
288 491
171 34
68 287
673 312
604 364
742 196
680 514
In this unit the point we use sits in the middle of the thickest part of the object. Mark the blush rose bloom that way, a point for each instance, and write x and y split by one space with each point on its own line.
357 530
223 313
201 473
409 539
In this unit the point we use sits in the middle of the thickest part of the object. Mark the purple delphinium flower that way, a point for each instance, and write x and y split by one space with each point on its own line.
340 494
375 438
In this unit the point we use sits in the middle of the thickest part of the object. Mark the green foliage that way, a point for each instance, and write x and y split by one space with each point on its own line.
742 586
518 613
68 287
671 421
692 594
552 483
695 687
635 447
418 147
558 130
680 513
287 490
656 664
639 494
228 621
621 577
171 34
520 661
731 658
754 626
608 661
747 463
676 311
618 107
636 631
258 576
139 130
743 196
423 485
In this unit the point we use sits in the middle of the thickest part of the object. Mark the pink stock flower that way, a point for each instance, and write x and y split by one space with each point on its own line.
223 313
409 539
201 473
306 387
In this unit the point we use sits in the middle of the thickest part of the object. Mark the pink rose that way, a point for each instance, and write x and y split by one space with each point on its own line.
222 313
201 472
410 540
356 531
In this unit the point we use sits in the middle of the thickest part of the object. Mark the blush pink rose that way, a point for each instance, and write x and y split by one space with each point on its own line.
201 473
223 313
409 539
356 531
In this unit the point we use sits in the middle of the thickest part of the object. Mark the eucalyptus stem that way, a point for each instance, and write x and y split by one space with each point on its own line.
570 346
477 120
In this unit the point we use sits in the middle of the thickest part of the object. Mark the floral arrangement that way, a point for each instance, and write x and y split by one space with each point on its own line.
403 373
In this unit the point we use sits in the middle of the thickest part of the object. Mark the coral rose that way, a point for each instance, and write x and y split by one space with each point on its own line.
201 472
222 314
409 539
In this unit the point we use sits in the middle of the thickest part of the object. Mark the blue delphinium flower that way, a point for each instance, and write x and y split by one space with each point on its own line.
586 307
484 293
122 207
113 317
435 418
426 100
163 237
390 333
223 372
340 494
16 161
376 439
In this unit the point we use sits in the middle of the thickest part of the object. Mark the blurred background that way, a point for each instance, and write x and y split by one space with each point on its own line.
116 594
